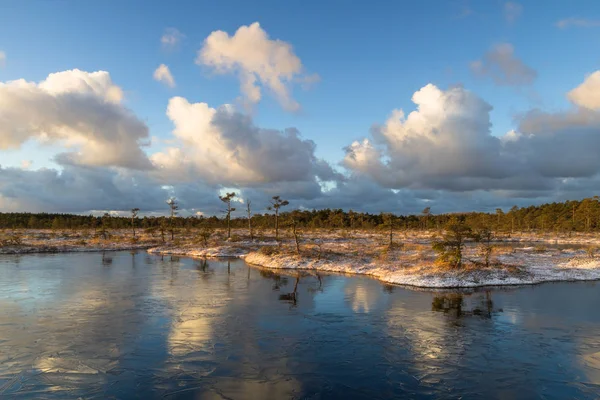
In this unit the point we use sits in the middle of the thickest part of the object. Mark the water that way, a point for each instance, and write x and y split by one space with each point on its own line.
125 325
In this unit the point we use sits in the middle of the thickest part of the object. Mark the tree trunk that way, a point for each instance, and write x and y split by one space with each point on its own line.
250 224
276 225
295 237
250 228
229 222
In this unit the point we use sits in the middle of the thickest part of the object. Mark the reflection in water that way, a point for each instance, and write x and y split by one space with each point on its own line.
278 280
170 327
106 259
454 304
292 296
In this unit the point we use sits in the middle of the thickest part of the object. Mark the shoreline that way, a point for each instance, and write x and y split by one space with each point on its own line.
572 269
524 259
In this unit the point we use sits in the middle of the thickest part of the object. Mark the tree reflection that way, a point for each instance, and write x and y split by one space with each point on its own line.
133 253
203 269
291 297
454 304
278 280
388 288
318 288
106 260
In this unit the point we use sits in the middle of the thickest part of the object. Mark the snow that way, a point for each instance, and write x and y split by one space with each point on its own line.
365 253
533 271
520 259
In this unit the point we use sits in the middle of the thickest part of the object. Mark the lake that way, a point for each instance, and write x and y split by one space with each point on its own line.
135 325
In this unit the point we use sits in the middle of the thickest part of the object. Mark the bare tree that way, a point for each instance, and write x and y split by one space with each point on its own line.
227 200
172 202
389 220
295 233
134 214
104 225
426 213
249 212
276 204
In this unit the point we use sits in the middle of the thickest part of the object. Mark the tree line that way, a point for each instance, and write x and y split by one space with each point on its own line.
569 216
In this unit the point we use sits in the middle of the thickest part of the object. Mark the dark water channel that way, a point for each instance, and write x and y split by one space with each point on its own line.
133 325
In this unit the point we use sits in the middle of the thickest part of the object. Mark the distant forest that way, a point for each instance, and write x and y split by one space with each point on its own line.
581 216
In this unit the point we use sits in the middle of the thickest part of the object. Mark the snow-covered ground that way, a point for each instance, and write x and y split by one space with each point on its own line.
524 269
46 241
518 259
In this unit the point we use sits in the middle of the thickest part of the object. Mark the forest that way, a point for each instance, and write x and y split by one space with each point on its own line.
569 216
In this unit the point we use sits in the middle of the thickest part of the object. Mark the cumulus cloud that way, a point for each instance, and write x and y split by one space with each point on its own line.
225 147
503 67
578 23
257 60
171 38
447 144
561 144
512 11
81 110
588 93
442 154
2 58
163 74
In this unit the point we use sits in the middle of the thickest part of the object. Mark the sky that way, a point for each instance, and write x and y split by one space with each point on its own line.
371 106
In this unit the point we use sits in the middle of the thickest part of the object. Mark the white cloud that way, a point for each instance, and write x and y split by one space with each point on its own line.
588 93
503 67
222 146
171 39
163 74
26 164
512 11
81 111
258 62
447 144
578 22
2 58
442 154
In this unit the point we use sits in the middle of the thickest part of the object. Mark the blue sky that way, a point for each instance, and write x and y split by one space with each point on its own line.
370 56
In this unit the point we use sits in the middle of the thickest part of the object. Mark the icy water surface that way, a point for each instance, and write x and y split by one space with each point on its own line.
132 325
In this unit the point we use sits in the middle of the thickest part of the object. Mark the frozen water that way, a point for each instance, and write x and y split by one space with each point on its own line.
145 326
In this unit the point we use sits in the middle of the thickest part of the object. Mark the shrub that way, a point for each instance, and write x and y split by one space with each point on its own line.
205 234
591 251
450 247
269 250
13 239
485 237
